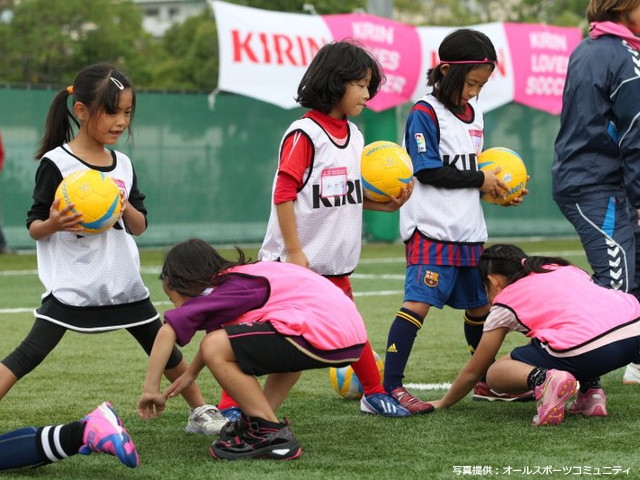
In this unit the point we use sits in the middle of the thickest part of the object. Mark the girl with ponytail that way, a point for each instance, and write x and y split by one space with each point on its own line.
578 330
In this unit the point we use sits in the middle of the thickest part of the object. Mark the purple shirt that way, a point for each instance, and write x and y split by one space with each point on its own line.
296 301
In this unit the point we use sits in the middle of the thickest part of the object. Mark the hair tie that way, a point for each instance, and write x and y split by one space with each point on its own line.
454 62
523 261
70 89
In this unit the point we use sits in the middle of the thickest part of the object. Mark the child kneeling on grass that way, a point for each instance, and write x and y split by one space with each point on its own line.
260 318
579 331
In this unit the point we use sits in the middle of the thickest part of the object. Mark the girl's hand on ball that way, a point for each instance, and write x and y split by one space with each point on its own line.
493 184
406 192
65 219
520 198
395 202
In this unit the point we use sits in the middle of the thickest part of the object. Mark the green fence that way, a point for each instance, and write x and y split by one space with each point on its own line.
208 172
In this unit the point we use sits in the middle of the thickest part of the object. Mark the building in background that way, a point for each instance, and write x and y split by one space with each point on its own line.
160 15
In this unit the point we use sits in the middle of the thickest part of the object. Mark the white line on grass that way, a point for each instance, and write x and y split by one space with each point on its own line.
428 386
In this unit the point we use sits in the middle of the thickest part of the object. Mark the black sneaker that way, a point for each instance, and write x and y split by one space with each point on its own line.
232 429
251 438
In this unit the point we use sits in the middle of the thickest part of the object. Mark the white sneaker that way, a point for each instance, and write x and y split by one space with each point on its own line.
631 374
206 420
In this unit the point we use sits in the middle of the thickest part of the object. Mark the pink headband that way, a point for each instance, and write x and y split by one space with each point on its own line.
485 60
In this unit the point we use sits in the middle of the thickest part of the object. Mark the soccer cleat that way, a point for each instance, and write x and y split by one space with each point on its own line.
232 413
592 403
206 420
251 440
558 387
483 393
104 432
382 404
631 374
411 403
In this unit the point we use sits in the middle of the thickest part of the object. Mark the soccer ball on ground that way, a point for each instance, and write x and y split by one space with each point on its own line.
93 194
386 169
345 381
513 173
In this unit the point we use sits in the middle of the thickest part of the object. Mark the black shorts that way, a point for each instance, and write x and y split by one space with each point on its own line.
259 350
585 366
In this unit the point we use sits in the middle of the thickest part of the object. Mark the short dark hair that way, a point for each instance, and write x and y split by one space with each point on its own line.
324 83
193 265
460 45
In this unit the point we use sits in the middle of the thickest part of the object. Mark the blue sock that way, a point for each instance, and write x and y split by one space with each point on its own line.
402 334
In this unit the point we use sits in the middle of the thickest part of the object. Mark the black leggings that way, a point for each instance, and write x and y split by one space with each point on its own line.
45 335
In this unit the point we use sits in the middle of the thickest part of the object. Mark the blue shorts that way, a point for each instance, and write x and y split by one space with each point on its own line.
586 366
439 285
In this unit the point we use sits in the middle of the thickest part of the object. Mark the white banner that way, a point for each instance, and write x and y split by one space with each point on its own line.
264 54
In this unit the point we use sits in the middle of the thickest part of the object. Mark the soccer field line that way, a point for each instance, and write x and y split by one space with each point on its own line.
428 386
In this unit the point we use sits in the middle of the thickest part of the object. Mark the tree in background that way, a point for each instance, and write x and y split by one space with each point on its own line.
188 57
565 13
49 42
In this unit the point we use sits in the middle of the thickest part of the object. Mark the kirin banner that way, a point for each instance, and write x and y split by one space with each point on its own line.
263 55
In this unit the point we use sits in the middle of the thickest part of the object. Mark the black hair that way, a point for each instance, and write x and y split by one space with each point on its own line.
193 265
98 87
324 83
511 261
460 45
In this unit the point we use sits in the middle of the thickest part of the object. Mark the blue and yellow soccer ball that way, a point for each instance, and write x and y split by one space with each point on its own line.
386 169
345 381
513 173
93 194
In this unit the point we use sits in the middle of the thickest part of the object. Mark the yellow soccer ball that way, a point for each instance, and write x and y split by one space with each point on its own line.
513 173
95 195
345 382
386 169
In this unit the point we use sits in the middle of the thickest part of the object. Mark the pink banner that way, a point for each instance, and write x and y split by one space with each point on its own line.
539 56
396 45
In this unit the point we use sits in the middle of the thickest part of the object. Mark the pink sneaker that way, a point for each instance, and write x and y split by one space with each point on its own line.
592 403
558 387
411 403
104 432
